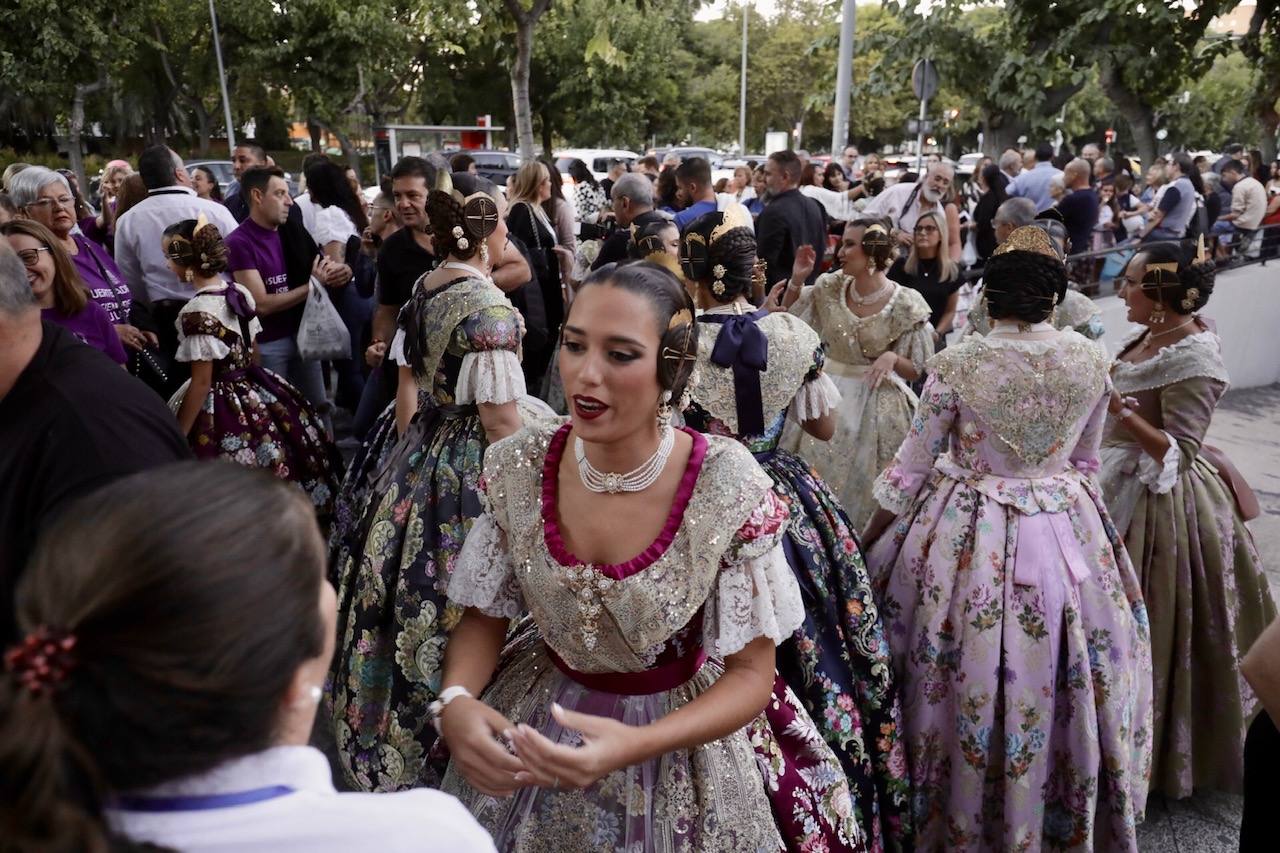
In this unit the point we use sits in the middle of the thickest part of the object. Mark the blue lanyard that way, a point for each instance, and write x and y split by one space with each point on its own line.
199 802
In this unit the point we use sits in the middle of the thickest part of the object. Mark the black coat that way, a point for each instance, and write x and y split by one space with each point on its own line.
790 220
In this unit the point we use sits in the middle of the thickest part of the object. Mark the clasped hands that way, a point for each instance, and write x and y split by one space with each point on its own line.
475 734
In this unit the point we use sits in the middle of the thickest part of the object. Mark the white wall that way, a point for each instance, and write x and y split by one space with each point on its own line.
1246 308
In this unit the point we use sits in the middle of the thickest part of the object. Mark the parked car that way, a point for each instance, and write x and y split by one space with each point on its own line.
222 171
497 166
598 160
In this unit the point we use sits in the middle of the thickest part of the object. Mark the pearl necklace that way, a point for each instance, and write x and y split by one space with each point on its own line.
633 481
1151 336
851 292
1002 330
459 265
735 307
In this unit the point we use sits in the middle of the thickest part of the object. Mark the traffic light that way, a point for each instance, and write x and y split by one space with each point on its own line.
1109 136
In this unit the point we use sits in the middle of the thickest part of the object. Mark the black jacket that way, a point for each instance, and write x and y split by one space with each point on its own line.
790 220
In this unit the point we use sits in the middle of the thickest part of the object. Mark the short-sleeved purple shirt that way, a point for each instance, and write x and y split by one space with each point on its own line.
252 247
102 277
91 325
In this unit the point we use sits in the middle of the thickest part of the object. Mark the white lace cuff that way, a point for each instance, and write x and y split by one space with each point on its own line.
483 577
758 597
1159 477
890 494
395 352
490 376
201 348
815 398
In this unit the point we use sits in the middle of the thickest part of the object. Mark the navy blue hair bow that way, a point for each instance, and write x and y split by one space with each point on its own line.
743 347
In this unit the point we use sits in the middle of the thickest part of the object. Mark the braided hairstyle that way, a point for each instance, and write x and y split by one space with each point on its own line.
647 235
445 216
1183 292
673 308
1023 286
203 251
877 243
725 267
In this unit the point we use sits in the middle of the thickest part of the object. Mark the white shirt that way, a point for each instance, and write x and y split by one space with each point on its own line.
313 817
139 233
308 208
329 224
837 204
892 204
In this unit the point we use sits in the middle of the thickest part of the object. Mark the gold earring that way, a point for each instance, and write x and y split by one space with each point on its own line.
1157 314
664 410
1053 312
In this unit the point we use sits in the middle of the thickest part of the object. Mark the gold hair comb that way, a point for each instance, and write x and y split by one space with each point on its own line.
1029 238
680 318
735 216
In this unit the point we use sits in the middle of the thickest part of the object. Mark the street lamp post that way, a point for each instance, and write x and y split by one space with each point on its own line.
844 79
742 93
222 80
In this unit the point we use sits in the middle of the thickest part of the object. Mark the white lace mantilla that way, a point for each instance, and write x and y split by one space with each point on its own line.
210 300
490 376
815 398
1198 355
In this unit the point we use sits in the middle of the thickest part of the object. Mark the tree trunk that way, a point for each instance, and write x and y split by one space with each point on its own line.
313 130
546 134
74 127
204 126
1137 113
1000 131
526 20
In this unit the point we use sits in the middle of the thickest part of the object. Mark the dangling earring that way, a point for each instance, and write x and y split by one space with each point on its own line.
664 411
1053 312
1157 314
484 253
986 310
189 275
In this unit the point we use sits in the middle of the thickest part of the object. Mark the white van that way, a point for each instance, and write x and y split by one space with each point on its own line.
598 160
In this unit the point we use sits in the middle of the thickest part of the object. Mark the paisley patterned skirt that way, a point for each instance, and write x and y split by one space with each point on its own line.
1208 600
257 419
1026 685
771 786
838 661
405 511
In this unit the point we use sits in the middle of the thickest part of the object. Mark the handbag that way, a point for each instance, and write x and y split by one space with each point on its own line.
322 336
1246 500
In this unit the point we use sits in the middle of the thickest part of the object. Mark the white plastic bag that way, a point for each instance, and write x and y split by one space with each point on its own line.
322 335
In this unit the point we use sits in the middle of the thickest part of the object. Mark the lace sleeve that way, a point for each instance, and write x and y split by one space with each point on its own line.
916 345
201 348
395 351
756 594
484 577
1084 457
492 376
897 485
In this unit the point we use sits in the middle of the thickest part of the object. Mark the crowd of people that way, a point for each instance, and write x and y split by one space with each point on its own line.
801 511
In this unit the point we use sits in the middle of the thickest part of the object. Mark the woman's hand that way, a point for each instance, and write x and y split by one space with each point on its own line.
774 300
132 337
806 259
607 745
1117 402
470 728
876 527
881 368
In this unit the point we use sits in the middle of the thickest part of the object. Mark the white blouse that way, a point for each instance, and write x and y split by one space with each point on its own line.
311 816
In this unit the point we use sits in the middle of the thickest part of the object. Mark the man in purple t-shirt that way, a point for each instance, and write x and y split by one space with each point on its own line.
255 256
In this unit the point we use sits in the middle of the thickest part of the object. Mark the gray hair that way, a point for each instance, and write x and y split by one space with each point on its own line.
1212 180
1016 212
25 186
1010 160
16 295
634 186
1106 163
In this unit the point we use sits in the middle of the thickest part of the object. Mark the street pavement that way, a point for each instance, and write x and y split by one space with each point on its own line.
1245 428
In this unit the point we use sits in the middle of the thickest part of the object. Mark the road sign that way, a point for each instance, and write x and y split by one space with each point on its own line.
914 125
924 79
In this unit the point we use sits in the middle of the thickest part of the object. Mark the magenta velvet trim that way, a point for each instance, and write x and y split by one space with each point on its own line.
551 526
646 682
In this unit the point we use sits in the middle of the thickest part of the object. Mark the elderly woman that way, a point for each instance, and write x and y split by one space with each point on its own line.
44 196
58 289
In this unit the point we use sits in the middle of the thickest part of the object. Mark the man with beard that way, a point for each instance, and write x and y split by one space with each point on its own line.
903 204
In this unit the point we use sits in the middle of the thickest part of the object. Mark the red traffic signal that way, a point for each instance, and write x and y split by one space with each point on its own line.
1109 136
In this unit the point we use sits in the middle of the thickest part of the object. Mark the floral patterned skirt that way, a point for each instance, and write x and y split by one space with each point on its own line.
406 510
838 661
256 418
1209 600
771 786
1026 687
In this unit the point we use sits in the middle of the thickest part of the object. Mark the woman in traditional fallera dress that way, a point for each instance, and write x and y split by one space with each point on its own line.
412 495
232 407
606 726
1172 501
877 338
754 367
1015 617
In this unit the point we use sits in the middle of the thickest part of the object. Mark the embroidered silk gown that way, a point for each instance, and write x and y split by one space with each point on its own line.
1204 587
252 416
406 507
1077 311
837 661
1014 615
631 642
870 423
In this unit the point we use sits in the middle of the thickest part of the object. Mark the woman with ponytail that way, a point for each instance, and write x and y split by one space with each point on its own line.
232 407
166 687
1014 616
755 367
622 717
411 493
1181 508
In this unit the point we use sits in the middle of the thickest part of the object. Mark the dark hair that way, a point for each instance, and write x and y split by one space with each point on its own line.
69 292
312 158
789 163
156 166
678 342
557 187
213 179
187 636
461 162
695 169
666 188
880 247
1173 290
646 232
258 178
328 186
1044 152
444 213
648 160
132 190
259 153
831 171
1233 148
996 183
1023 286
204 251
808 173
734 250
581 174
1234 166
409 167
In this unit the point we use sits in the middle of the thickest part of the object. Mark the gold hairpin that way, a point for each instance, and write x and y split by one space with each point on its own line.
735 216
680 318
1029 238
201 222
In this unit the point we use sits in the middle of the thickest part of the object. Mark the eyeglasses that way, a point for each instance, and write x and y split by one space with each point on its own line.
61 201
31 257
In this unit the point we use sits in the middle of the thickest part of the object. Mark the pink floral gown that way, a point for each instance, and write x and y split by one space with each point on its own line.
1014 615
